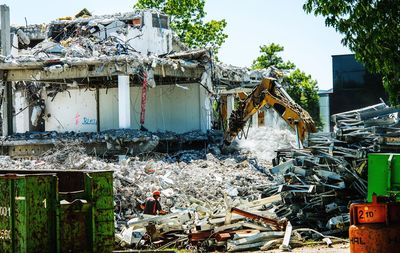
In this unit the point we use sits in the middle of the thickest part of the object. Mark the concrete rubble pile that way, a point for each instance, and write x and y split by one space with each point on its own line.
232 76
213 200
86 38
103 136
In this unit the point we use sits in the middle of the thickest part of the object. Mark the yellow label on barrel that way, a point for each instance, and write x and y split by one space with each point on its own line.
371 214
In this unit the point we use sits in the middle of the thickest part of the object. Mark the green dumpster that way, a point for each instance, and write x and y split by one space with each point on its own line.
383 175
56 211
28 213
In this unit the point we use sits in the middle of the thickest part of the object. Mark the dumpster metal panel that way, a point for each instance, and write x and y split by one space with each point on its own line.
56 211
103 210
41 204
5 215
75 234
32 213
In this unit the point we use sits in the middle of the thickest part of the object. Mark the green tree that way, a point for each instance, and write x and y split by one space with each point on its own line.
269 57
299 85
371 30
187 20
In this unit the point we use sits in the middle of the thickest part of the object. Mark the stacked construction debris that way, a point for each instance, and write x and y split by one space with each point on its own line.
322 180
373 129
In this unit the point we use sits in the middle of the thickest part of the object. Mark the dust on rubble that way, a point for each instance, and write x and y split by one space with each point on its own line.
264 141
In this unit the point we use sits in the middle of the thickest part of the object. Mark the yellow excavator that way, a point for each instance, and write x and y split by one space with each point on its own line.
269 93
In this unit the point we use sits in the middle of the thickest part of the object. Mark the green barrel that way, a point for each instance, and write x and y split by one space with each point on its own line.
383 175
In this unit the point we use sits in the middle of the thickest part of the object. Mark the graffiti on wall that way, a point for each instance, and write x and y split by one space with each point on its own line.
84 120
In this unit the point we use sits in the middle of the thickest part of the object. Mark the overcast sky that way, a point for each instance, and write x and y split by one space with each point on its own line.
308 43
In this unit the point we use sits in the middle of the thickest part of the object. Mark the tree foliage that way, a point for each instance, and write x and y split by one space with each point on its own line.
187 20
299 85
371 30
269 57
304 90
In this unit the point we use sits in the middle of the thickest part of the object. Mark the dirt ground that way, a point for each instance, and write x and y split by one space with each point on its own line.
336 248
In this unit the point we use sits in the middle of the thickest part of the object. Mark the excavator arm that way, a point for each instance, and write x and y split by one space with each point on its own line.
271 94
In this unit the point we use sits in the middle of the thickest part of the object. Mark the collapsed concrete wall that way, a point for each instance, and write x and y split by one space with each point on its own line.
78 65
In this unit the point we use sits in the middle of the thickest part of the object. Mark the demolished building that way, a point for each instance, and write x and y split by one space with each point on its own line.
81 78
93 74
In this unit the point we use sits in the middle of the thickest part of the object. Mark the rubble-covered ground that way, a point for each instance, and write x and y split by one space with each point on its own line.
184 177
239 201
197 180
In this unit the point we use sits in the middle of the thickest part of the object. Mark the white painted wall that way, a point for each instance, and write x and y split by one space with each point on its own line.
146 39
76 113
169 108
324 111
205 110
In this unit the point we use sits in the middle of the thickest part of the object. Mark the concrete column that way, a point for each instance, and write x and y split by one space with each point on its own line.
5 30
124 102
5 51
254 120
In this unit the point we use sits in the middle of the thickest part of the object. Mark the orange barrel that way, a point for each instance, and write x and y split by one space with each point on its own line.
375 227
